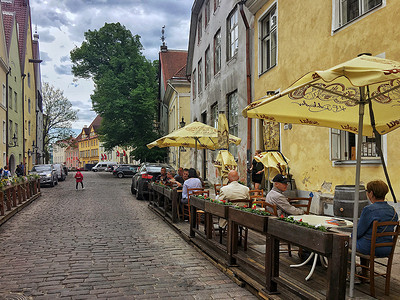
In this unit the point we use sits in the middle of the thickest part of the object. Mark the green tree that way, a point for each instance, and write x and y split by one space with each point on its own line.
125 94
58 116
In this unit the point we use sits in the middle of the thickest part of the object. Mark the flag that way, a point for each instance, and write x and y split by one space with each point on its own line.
124 152
102 156
105 156
117 153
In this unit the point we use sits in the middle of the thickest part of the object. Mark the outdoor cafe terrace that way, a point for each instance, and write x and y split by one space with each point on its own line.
254 251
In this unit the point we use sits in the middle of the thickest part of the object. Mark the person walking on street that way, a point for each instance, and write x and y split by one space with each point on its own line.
79 178
257 170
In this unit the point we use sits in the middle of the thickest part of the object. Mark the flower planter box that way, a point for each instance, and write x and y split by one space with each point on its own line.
158 188
312 239
250 220
217 209
167 192
197 202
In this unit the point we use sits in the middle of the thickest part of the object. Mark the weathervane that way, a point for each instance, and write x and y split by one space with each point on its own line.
162 35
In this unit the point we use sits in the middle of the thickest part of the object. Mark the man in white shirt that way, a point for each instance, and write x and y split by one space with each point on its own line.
234 190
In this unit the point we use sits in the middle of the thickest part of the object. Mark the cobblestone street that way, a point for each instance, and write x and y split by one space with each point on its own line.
102 243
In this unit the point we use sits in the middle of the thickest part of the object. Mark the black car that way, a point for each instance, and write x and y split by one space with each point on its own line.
125 170
148 172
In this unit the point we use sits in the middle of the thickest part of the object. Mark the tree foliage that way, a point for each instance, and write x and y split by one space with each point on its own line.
58 116
125 94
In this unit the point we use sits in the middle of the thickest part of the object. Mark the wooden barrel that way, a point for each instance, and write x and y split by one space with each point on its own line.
343 200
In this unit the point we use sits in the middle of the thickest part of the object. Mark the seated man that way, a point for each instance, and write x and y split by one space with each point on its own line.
191 183
163 175
234 190
179 177
276 196
379 211
171 181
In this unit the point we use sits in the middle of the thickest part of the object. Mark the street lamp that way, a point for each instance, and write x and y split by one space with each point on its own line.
182 123
15 142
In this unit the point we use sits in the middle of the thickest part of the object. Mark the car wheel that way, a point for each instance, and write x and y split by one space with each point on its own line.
94 170
120 175
139 195
133 191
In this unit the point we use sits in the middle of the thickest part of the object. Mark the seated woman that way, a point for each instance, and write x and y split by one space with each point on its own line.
379 211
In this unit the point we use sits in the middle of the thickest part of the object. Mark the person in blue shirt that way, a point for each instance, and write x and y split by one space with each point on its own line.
379 211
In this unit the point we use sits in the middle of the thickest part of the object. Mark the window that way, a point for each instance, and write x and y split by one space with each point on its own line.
268 38
29 80
216 4
10 97
217 52
214 115
233 34
15 102
194 84
343 146
29 128
10 129
29 105
346 11
208 66
233 119
4 131
200 76
207 13
199 29
16 130
4 95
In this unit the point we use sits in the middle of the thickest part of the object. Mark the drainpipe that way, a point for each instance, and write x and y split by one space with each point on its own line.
177 125
8 73
248 80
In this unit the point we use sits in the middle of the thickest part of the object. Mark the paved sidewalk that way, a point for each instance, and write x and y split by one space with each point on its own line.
102 243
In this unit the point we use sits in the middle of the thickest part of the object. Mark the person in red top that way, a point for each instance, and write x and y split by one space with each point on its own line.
79 178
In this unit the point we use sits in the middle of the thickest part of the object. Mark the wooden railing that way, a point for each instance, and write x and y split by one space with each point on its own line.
15 194
165 200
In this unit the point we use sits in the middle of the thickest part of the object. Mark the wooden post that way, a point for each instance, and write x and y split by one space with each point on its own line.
271 263
14 195
174 206
35 191
28 191
8 200
337 267
23 189
232 241
192 220
38 184
2 203
19 193
208 221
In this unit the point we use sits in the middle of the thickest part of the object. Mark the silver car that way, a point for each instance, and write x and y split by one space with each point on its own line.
47 173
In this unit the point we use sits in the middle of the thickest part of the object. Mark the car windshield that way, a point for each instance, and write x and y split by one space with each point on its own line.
155 169
41 168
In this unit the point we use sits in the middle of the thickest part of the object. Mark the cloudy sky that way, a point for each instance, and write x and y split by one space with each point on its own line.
61 25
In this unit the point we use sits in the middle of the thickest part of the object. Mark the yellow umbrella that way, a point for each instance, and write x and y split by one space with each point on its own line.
225 160
194 135
337 98
274 163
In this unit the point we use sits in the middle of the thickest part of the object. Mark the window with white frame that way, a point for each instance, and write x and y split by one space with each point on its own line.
29 80
194 84
207 66
200 76
233 119
199 28
4 132
15 101
268 40
29 128
4 95
29 105
346 11
233 34
10 93
343 146
217 52
207 13
214 115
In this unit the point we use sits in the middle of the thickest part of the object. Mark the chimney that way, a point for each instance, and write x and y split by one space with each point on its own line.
35 35
163 47
84 126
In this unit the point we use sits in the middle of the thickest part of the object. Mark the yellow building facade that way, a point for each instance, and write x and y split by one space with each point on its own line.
292 38
3 90
29 100
88 147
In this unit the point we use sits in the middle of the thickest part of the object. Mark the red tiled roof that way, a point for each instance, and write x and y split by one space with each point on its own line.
8 22
22 13
96 123
181 73
171 62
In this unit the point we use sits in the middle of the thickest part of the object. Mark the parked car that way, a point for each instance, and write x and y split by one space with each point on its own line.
60 172
102 166
47 173
125 170
148 172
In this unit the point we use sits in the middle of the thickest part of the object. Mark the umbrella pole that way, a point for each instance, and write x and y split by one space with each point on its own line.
195 154
357 192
